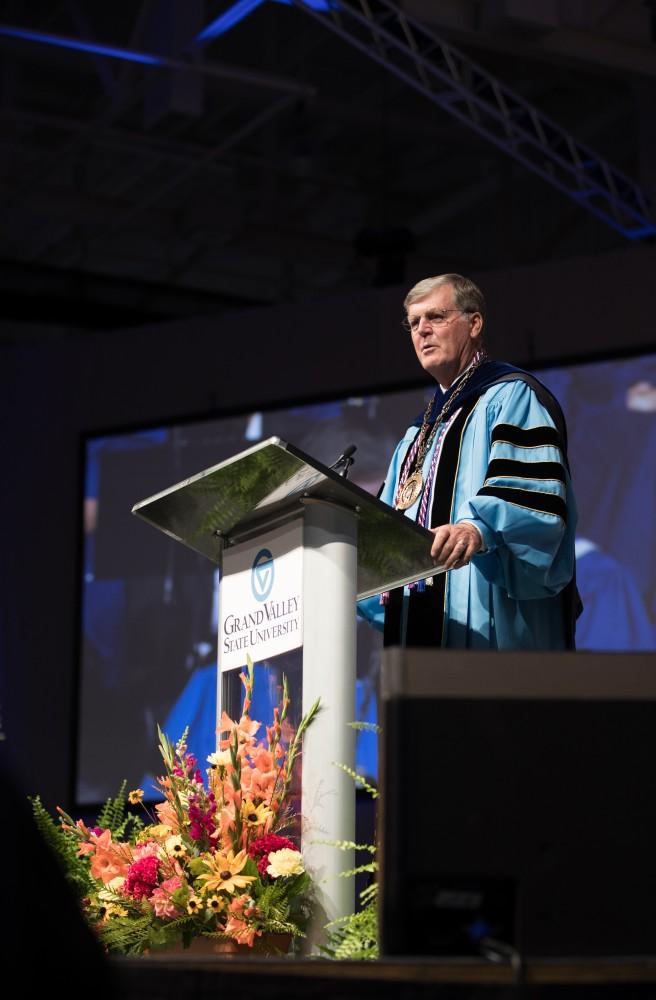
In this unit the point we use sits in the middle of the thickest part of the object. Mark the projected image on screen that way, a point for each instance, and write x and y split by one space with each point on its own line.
149 615
611 416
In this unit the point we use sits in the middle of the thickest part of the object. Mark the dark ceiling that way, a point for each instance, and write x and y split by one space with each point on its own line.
277 162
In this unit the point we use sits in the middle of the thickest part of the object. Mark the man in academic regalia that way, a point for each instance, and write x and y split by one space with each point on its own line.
485 469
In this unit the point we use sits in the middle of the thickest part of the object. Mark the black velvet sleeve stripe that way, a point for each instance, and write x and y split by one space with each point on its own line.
525 470
532 437
546 503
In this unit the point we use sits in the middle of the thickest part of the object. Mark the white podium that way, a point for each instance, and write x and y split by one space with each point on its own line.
297 544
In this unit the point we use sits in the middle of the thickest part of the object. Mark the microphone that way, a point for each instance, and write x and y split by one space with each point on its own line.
345 461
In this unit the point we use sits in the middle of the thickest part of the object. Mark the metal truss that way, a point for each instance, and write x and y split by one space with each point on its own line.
465 90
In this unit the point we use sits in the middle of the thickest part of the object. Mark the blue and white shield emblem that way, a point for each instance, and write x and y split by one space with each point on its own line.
262 574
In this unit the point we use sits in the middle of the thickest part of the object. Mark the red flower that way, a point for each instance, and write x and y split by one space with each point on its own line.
141 878
260 849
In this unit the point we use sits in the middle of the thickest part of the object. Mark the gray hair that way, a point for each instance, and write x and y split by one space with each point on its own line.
466 295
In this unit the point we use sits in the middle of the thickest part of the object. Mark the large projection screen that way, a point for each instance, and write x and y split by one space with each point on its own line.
148 604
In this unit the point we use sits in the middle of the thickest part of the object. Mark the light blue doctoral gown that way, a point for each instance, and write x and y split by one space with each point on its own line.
512 482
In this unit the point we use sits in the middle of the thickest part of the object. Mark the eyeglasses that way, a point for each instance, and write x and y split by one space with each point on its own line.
436 317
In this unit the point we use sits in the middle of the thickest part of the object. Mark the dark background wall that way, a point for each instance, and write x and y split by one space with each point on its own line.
53 394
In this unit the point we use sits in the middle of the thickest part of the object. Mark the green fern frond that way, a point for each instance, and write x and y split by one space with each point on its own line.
368 894
355 936
129 829
181 924
282 927
215 935
271 894
362 782
372 866
347 845
51 832
112 814
365 727
64 847
127 938
272 904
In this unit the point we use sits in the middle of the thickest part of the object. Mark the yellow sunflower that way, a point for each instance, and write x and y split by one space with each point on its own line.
113 910
223 874
253 815
215 904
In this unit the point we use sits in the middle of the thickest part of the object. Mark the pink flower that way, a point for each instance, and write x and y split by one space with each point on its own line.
161 898
141 878
148 849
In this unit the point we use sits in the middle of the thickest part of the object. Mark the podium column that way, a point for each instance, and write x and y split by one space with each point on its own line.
329 658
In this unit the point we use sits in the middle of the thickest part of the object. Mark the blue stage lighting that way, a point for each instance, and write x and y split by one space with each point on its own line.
230 17
111 51
241 10
321 5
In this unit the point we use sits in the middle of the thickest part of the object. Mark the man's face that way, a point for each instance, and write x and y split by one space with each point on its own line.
444 338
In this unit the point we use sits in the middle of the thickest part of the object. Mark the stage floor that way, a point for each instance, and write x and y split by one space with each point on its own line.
183 976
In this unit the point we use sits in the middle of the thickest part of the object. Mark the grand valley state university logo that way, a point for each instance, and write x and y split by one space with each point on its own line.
273 624
262 573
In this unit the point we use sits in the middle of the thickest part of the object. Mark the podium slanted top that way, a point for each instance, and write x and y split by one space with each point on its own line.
266 484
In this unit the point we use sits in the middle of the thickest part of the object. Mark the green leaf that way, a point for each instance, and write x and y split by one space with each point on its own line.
250 868
197 867
180 897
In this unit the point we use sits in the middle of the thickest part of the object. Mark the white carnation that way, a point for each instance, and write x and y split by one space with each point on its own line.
285 862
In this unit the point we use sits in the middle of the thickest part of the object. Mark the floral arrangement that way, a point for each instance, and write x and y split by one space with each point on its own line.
212 861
